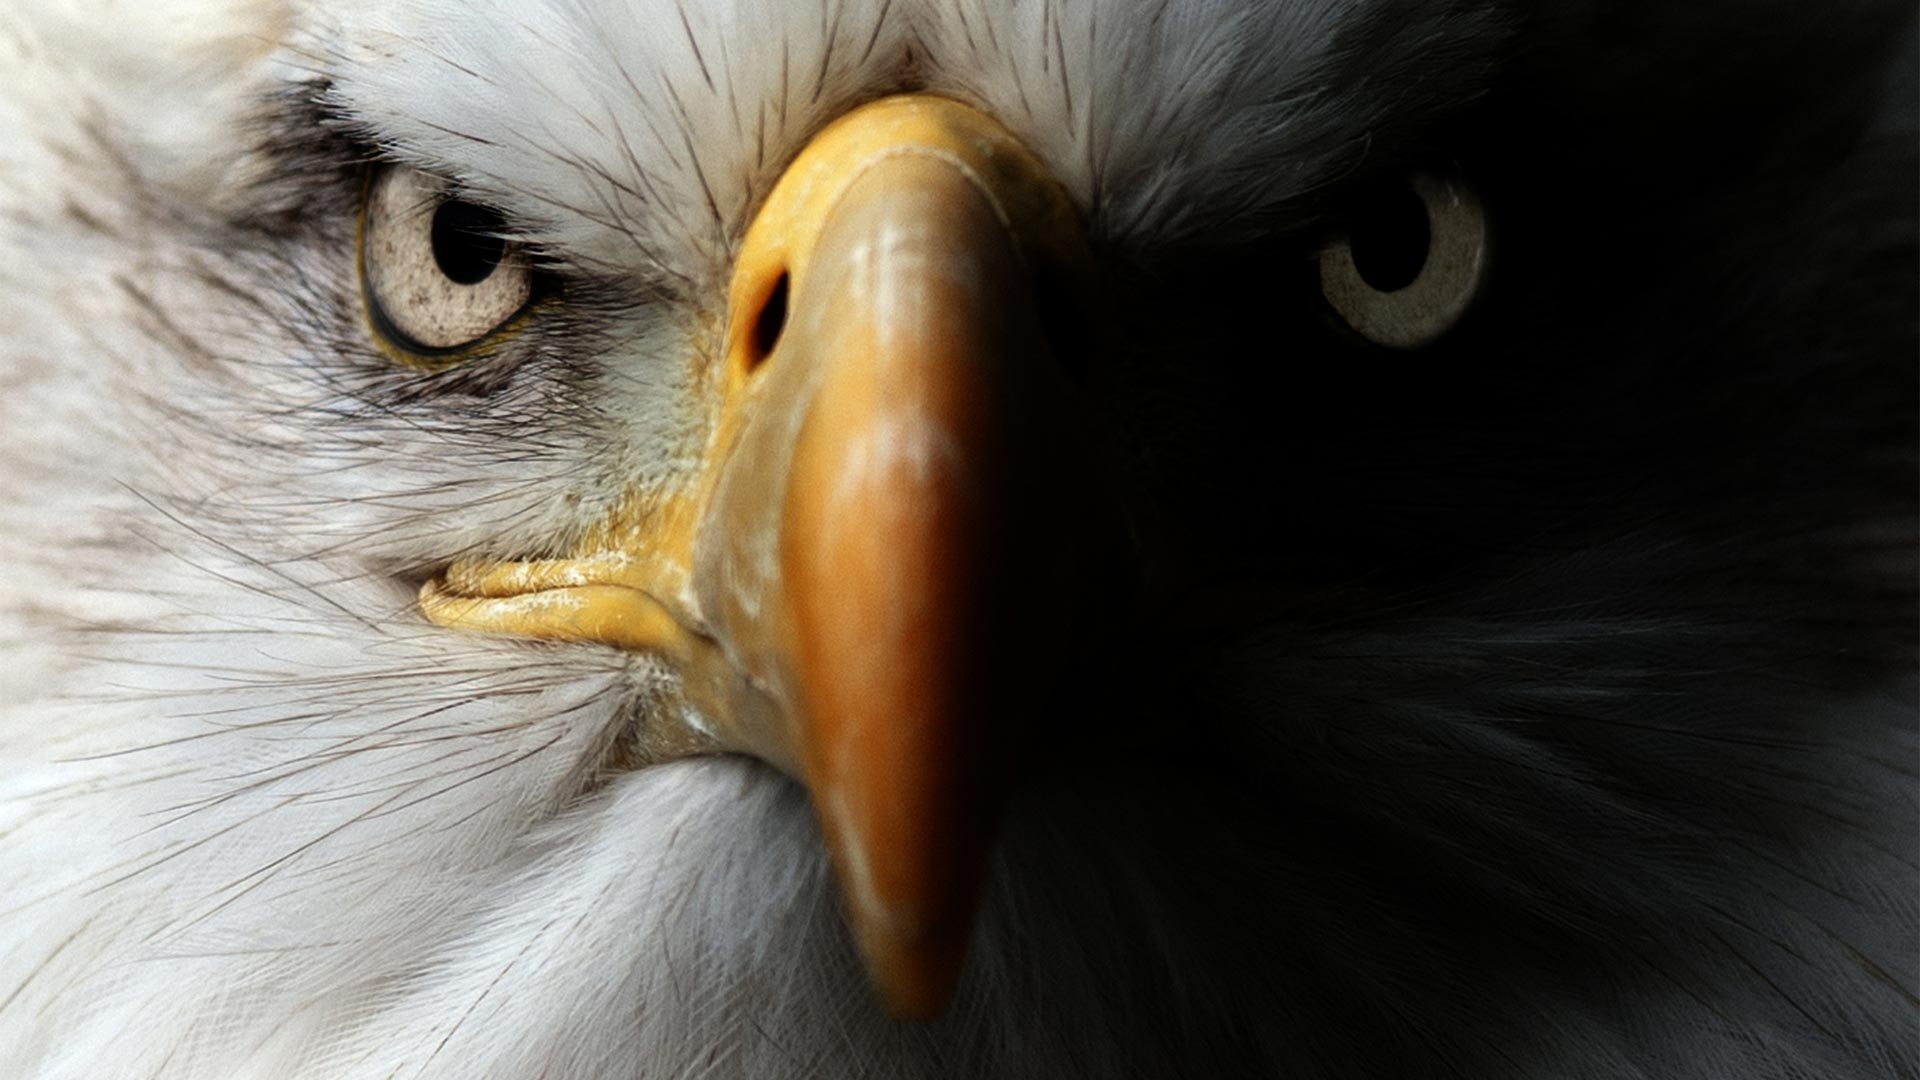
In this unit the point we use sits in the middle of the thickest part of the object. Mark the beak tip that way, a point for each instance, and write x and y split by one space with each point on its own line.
911 930
915 974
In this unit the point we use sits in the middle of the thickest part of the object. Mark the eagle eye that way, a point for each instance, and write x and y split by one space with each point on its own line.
437 272
1411 262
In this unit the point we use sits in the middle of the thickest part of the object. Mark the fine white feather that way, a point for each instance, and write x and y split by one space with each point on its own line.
258 819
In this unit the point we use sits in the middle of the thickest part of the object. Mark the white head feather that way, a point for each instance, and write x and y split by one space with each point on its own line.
257 819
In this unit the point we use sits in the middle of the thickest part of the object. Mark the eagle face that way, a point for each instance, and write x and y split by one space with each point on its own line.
992 538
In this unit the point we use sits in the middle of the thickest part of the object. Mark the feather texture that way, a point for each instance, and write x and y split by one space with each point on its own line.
1539 706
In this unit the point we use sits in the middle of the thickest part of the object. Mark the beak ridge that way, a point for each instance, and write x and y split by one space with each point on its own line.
911 340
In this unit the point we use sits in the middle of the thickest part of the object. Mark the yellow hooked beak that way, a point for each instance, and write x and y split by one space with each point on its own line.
855 584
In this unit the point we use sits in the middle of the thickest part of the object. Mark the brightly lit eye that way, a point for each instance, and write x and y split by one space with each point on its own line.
1411 264
438 276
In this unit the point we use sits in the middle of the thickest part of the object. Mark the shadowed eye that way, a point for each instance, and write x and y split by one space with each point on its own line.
437 273
1411 262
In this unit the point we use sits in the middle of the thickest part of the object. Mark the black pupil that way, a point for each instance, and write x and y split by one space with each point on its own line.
1390 239
466 242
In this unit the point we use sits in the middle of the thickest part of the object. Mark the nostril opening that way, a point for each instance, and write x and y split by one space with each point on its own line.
1063 320
772 321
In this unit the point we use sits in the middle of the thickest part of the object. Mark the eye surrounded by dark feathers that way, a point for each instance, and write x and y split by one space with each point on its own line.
437 272
596 539
1411 262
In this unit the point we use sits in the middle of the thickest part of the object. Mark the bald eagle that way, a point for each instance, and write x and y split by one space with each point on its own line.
957 538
